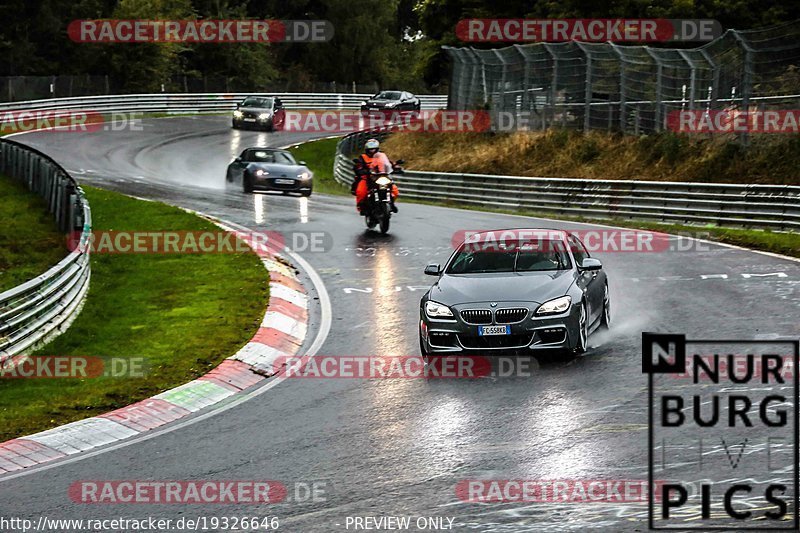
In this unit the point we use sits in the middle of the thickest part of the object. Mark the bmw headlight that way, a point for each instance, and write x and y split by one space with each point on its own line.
263 116
391 105
304 175
437 310
238 114
555 306
364 103
260 172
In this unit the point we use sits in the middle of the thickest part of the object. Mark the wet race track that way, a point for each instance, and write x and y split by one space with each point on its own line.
400 446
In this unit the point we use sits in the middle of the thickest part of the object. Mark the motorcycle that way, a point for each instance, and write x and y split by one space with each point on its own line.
377 208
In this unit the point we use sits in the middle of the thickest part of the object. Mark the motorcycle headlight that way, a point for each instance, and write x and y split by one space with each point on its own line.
555 306
238 114
437 310
263 116
304 175
383 181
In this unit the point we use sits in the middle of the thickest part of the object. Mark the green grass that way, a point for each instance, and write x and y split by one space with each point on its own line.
30 242
183 313
320 154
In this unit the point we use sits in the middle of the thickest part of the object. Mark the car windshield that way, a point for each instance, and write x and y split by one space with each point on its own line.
388 95
252 155
253 101
514 256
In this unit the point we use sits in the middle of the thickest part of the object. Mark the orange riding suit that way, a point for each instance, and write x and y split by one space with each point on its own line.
380 164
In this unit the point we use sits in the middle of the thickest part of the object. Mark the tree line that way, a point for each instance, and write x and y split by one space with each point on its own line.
391 43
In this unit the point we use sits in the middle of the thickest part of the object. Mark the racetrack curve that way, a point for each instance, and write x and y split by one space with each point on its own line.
399 446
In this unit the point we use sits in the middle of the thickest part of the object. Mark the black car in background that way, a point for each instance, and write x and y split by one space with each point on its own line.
262 112
270 169
391 101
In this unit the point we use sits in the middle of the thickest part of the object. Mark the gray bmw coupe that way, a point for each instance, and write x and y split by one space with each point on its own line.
515 290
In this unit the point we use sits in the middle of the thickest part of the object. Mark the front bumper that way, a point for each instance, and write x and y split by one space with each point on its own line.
557 332
257 123
271 184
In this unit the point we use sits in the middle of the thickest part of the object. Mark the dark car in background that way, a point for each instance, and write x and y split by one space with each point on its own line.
270 169
261 112
538 293
387 101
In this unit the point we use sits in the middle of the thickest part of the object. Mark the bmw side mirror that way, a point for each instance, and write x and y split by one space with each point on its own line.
238 160
433 269
590 263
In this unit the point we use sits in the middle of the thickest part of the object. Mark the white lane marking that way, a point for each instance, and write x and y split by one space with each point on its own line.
322 334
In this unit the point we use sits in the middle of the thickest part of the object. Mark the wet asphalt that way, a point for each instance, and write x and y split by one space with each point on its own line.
400 446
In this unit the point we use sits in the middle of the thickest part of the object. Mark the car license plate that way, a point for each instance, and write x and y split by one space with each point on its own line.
494 330
249 120
280 181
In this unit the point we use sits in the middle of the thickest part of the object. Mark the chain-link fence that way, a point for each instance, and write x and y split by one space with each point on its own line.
629 88
23 88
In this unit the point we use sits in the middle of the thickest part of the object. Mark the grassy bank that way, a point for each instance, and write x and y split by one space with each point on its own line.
30 242
182 313
601 155
320 154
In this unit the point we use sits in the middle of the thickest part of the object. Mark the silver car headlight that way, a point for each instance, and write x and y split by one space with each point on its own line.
437 310
238 114
555 306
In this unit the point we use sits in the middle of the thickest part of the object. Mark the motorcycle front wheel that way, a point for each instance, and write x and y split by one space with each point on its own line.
385 219
370 221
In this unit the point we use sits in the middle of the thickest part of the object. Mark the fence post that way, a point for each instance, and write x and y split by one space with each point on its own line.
553 83
622 105
659 87
747 80
588 93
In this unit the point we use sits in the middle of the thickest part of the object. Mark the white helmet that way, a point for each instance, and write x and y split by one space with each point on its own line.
371 144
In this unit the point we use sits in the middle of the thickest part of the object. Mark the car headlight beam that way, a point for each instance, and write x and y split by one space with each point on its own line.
238 114
437 310
555 306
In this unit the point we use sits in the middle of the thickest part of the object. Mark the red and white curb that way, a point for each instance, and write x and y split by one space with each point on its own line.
282 332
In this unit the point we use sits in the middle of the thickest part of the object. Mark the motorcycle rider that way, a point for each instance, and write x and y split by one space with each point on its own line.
372 160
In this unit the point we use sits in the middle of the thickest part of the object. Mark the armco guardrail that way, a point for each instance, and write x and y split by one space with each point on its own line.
42 307
201 103
775 207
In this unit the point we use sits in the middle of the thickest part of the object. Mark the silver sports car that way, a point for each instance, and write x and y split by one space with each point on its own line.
515 290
